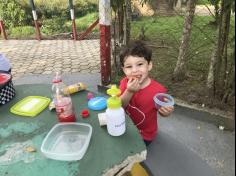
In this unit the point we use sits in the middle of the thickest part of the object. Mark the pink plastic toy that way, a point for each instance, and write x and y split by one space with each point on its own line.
90 96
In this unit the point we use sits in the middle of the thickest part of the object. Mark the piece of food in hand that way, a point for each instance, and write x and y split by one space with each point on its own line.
30 149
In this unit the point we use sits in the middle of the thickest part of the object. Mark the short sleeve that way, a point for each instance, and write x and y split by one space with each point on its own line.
123 85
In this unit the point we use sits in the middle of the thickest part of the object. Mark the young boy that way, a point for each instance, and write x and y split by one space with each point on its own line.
138 90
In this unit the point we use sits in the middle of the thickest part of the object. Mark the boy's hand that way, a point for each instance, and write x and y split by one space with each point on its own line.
166 111
133 85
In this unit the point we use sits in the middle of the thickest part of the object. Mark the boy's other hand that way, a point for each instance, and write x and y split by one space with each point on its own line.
166 111
133 85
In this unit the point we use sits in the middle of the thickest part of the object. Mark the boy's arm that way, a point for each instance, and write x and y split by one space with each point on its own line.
126 97
132 87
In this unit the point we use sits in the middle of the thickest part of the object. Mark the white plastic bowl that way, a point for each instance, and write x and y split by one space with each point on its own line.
67 141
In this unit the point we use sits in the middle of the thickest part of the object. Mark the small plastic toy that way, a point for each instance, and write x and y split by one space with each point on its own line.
84 113
97 103
90 95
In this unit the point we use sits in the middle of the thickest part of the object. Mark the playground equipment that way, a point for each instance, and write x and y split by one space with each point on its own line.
38 35
2 29
72 15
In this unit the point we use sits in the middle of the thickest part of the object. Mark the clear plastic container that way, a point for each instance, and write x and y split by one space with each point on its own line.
67 141
162 99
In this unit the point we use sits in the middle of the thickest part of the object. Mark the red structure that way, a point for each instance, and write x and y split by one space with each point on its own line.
105 41
2 30
105 54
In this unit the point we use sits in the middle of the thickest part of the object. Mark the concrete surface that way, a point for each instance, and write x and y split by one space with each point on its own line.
215 147
36 61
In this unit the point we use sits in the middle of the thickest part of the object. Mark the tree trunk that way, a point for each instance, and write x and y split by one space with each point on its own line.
127 21
217 72
180 69
229 90
212 68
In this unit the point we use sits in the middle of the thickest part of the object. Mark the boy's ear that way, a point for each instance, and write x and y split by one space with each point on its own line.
150 66
122 69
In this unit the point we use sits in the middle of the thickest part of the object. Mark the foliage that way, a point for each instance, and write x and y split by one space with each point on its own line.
48 9
12 13
18 13
24 31
53 26
84 22
203 2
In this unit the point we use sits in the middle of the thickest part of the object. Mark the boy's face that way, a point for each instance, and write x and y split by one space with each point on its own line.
137 68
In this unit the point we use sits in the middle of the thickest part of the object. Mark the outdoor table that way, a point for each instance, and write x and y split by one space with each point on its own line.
106 155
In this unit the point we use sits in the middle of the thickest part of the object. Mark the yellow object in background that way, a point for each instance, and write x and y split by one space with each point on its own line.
138 170
74 88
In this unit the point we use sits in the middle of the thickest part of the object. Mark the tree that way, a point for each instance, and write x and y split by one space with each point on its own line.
180 69
121 26
221 77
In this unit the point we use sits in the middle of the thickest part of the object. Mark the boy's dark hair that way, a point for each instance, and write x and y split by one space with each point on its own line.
135 48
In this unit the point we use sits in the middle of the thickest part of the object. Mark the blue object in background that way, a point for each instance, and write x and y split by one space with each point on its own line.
97 103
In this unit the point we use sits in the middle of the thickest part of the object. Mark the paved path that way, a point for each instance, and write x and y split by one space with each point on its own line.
48 56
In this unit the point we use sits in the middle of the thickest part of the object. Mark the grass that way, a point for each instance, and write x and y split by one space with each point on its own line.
22 32
165 33
84 22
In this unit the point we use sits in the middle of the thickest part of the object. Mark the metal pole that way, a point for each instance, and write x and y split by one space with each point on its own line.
2 29
72 14
105 41
37 29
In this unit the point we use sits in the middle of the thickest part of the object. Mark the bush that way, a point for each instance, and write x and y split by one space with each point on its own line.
24 31
53 26
12 13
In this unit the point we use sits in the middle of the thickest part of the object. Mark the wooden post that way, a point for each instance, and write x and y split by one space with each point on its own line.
105 41
72 15
37 29
83 35
2 30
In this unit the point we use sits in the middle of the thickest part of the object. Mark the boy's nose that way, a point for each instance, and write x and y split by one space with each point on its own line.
134 69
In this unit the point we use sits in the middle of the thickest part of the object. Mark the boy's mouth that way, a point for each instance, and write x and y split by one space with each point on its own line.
136 77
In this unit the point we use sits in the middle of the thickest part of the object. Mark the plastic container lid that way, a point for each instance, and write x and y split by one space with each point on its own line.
159 100
30 106
97 103
67 141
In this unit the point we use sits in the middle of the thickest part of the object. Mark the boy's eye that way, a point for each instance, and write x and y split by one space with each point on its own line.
128 66
140 64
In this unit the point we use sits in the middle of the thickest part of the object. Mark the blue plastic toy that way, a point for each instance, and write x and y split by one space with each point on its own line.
97 103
